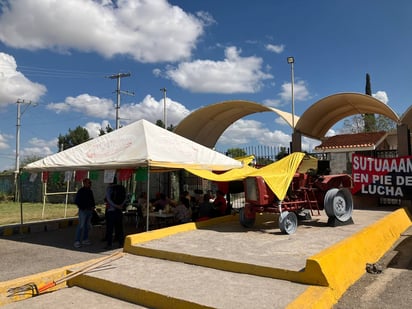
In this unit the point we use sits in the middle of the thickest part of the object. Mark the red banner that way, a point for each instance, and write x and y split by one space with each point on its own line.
385 177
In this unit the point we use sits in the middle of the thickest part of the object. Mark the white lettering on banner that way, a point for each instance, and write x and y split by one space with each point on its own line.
399 165
382 179
404 180
357 177
382 190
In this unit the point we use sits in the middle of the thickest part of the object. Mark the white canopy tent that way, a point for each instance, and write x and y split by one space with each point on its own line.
140 144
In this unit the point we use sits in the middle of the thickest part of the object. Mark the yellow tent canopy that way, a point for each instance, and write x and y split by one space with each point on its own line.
277 175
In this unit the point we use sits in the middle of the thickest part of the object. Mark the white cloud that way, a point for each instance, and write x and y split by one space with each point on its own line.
275 48
381 96
272 102
4 141
149 108
39 148
281 121
14 85
93 128
247 132
309 144
152 110
300 91
232 75
85 104
141 29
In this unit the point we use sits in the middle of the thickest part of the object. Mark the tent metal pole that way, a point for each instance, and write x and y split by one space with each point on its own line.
67 197
148 198
44 197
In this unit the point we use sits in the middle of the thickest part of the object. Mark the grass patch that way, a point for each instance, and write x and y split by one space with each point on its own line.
10 212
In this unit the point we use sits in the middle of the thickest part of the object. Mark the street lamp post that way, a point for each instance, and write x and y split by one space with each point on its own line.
291 61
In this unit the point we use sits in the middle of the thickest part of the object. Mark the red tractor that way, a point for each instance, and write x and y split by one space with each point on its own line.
307 195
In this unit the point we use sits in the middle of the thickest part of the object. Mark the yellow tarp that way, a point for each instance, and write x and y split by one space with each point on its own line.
277 175
308 163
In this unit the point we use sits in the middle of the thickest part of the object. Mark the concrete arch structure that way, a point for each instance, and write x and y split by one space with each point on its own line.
208 123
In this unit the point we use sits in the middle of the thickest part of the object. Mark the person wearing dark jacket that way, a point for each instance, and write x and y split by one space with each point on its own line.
115 199
86 204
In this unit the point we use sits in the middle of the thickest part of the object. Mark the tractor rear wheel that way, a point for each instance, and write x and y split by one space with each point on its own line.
288 222
245 218
338 203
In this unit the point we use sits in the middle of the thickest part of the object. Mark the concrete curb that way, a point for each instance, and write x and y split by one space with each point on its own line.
134 295
38 226
344 263
326 273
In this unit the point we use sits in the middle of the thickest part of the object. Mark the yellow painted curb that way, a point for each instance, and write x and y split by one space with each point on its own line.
38 280
314 297
132 240
344 263
133 295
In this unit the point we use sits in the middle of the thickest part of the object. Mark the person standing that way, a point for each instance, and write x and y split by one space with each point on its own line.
85 202
219 204
116 199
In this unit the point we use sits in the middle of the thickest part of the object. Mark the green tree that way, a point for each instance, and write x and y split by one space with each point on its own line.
161 124
108 129
29 159
369 119
262 161
73 138
282 153
368 122
236 152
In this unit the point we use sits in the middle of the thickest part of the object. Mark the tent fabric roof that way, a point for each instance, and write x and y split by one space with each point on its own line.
208 123
359 141
139 144
321 116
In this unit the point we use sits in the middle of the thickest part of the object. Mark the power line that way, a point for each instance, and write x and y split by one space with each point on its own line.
58 73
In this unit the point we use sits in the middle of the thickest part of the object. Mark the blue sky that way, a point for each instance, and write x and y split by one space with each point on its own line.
58 54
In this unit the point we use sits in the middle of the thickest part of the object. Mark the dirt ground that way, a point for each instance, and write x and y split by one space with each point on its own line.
392 288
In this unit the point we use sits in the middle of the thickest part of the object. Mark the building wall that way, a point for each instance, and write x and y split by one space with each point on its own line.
339 162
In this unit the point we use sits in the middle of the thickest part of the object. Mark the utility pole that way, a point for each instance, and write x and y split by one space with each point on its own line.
164 107
18 126
118 76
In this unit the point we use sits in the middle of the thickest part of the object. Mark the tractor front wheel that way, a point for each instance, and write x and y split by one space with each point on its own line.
288 222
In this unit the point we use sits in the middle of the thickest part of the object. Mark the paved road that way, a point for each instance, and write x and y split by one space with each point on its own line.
27 254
